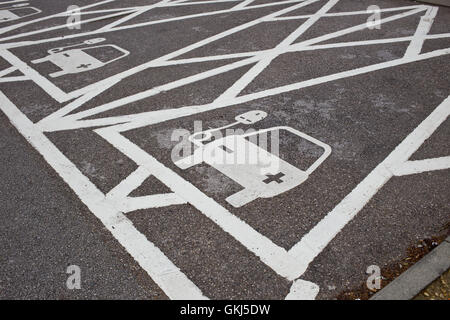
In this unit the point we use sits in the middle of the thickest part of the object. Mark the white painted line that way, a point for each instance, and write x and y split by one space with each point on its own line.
243 4
349 13
303 290
12 1
7 71
130 204
426 21
419 166
14 79
184 3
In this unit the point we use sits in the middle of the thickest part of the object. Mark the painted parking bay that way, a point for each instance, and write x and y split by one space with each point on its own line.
357 109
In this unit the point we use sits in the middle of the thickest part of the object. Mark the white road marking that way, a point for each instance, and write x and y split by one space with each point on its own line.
349 13
303 290
12 1
243 4
130 204
426 21
7 71
419 166
13 79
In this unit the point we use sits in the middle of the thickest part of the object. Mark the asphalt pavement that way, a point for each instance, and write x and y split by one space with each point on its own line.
89 126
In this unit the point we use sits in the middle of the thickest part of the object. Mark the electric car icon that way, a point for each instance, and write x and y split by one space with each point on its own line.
16 12
77 60
260 173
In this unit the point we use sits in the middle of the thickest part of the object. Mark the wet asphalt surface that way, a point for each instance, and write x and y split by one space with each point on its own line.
45 227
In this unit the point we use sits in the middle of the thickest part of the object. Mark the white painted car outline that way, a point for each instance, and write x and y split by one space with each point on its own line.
74 61
7 14
263 179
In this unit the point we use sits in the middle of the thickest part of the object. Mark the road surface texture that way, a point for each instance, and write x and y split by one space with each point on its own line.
345 104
